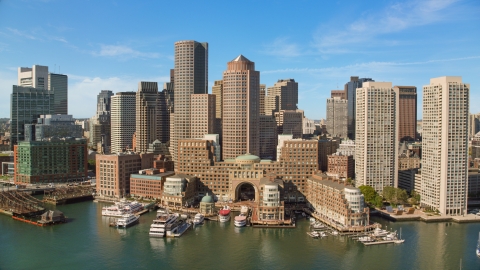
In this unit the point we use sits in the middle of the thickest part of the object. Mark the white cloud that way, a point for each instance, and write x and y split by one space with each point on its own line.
282 48
21 33
123 52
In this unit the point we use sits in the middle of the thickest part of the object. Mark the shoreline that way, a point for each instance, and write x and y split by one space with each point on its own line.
469 218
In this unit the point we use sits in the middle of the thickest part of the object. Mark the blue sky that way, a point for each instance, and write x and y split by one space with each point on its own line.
115 44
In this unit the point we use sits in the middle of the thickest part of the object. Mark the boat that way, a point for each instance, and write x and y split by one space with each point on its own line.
158 227
133 207
313 234
334 232
198 219
244 210
478 246
224 214
365 239
176 228
322 234
379 232
126 220
240 220
312 220
121 208
318 225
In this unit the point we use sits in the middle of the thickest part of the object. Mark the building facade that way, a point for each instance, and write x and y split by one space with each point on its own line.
148 183
35 77
407 112
146 103
351 90
340 166
337 116
123 121
282 96
290 122
268 137
48 126
58 84
203 115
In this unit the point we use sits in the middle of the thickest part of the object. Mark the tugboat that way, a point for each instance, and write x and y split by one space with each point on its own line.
224 214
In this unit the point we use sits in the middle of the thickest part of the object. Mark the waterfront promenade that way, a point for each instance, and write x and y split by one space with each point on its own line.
419 215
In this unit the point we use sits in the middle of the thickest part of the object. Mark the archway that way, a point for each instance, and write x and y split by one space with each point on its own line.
245 192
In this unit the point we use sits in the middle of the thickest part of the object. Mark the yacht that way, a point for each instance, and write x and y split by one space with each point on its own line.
198 219
478 246
133 207
224 214
116 210
365 239
159 225
240 220
127 220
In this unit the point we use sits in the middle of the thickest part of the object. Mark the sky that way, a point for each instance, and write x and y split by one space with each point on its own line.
112 45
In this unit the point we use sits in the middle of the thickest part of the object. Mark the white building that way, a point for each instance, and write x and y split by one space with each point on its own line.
35 77
123 122
308 126
444 145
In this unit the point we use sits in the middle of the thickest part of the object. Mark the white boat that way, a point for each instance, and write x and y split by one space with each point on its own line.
313 234
224 214
322 234
365 239
240 220
318 225
133 207
115 210
198 219
379 232
334 232
478 246
158 227
312 220
127 220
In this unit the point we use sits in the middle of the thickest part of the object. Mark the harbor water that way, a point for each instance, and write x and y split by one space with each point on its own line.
87 242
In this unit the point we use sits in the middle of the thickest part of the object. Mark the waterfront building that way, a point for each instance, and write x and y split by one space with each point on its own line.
26 105
123 121
148 183
268 137
337 116
202 115
290 122
351 91
376 143
48 126
271 206
179 190
342 94
207 205
326 147
146 115
35 77
336 203
282 96
52 161
191 77
340 166
58 84
407 112
113 172
444 145
241 108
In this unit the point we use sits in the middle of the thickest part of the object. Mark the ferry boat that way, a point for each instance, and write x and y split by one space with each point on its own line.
198 219
133 207
127 220
159 225
121 208
224 214
240 220
478 246
176 228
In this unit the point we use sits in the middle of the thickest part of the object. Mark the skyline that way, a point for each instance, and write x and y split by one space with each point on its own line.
113 46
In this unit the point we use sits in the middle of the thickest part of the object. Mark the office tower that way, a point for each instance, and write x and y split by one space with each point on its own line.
350 90
203 115
104 102
326 147
123 122
338 93
217 90
49 126
473 125
26 105
376 142
241 108
263 93
308 126
337 116
100 124
290 122
35 77
191 77
268 137
165 109
407 112
146 115
282 96
444 145
58 84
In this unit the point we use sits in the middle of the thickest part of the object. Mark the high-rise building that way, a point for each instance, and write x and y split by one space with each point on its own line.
473 125
350 90
241 108
407 112
263 92
376 142
104 102
191 77
26 105
100 124
164 112
290 122
49 126
35 77
58 84
123 122
268 137
445 145
338 93
203 115
283 95
337 117
146 115
217 90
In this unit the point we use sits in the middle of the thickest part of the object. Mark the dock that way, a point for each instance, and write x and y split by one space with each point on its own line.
20 204
65 195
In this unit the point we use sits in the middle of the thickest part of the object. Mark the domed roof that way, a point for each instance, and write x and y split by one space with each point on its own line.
249 157
207 199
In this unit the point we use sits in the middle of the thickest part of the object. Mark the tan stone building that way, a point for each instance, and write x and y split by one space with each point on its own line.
179 190
241 108
146 118
113 172
203 115
290 122
271 205
342 94
326 147
407 112
282 96
217 90
342 166
148 183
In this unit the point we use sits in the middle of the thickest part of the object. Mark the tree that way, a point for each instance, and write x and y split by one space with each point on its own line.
378 201
395 195
369 193
92 165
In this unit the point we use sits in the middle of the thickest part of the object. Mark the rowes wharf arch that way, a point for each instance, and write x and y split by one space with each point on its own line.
245 175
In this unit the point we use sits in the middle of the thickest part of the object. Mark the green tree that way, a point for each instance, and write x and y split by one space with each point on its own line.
369 193
378 201
92 165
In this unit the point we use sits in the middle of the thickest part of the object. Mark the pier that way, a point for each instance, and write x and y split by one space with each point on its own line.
64 195
18 203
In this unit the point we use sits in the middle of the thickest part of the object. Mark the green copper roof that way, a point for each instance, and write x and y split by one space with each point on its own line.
207 199
248 156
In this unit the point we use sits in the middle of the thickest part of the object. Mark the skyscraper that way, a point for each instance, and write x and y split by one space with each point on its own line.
376 143
350 90
203 115
58 84
217 90
337 116
146 102
407 113
241 108
263 92
191 77
282 96
35 77
100 124
164 112
123 121
445 145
